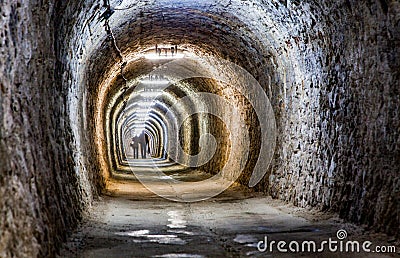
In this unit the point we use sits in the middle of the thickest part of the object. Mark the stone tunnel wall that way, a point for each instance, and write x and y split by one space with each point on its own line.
362 127
338 144
42 196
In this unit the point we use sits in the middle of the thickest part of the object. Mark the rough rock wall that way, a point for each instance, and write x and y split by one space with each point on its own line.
339 144
365 112
40 195
72 36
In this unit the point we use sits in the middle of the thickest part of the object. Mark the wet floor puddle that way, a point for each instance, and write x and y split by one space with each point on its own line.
143 236
176 224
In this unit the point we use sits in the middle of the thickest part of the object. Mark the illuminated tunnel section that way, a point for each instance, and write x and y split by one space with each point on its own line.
147 104
144 113
112 148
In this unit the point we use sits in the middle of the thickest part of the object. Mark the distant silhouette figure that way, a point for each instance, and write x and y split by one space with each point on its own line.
143 144
135 147
147 143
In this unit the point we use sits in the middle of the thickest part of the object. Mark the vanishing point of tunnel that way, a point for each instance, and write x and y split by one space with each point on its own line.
199 128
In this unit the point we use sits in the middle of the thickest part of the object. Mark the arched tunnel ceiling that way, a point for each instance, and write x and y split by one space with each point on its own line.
112 49
127 102
199 27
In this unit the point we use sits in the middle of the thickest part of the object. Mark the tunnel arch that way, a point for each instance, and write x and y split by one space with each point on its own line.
330 69
279 56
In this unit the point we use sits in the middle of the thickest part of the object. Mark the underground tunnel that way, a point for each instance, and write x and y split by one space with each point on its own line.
158 128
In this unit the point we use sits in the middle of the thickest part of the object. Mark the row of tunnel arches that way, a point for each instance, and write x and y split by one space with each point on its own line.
193 133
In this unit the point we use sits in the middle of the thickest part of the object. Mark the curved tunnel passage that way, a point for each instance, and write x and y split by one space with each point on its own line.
177 93
77 78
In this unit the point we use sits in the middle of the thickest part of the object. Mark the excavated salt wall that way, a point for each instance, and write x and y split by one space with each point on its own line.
42 196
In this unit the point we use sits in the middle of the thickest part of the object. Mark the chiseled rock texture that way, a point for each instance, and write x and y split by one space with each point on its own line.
41 194
339 125
330 68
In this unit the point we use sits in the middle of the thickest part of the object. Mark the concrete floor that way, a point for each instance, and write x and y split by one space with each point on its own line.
137 223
